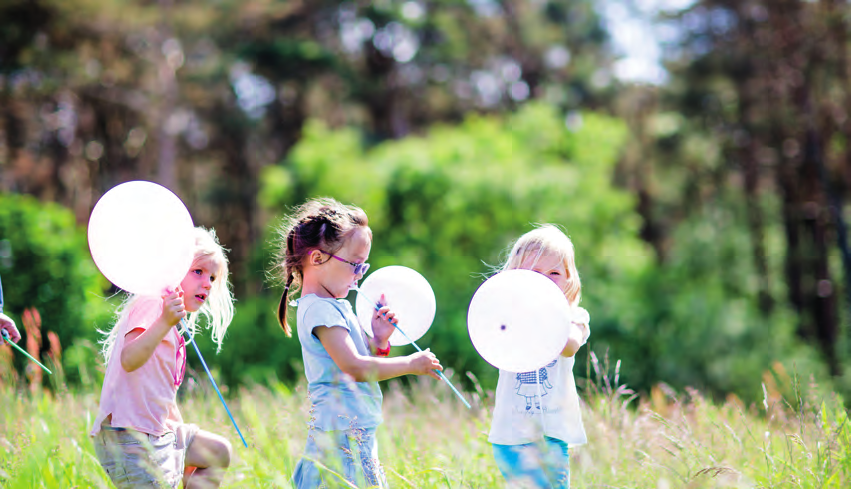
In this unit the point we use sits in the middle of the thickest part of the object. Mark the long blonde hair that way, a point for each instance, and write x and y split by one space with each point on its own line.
547 239
217 310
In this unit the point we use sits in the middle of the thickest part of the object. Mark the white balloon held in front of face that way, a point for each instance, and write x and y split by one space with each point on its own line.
141 238
519 320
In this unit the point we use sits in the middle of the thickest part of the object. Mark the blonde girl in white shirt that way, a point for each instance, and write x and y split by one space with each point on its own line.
536 416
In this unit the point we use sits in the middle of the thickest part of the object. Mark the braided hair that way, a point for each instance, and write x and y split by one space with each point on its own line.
318 224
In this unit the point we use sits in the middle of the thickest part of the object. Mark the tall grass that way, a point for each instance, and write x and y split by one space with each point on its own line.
428 439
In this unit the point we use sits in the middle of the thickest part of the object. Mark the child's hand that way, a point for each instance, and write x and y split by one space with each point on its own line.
586 330
425 363
581 331
383 320
173 308
7 325
578 336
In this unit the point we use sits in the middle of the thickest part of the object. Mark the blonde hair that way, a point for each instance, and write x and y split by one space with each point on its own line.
217 310
318 224
547 239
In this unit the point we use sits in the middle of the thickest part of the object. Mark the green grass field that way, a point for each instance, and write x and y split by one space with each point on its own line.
429 439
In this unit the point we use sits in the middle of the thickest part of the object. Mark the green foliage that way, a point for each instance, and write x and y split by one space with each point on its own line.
695 320
45 264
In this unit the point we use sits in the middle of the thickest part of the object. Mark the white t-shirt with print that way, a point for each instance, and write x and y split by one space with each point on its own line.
531 405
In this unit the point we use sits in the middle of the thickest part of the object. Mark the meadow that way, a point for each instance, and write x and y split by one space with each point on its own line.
795 437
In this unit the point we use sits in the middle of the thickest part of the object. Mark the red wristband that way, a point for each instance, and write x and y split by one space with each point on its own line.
382 353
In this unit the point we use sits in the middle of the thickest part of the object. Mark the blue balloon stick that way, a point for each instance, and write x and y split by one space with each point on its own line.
439 373
213 381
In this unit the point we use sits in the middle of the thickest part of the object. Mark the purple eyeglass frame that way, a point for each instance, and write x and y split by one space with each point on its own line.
360 268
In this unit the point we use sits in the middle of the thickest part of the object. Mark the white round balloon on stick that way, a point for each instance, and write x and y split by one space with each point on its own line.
409 296
141 237
519 320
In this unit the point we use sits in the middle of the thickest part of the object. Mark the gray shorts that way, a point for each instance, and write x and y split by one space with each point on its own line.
134 459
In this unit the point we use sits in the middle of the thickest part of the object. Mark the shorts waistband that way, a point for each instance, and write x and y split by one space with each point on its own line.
111 428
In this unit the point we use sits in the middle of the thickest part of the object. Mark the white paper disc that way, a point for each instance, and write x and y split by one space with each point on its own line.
519 320
141 237
409 296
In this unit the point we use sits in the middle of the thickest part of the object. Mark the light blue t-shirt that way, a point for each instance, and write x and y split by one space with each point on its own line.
337 401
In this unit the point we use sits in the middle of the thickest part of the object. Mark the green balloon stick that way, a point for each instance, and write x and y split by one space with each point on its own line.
8 340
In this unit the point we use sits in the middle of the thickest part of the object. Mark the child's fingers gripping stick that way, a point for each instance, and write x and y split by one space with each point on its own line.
425 363
383 312
173 308
383 321
8 329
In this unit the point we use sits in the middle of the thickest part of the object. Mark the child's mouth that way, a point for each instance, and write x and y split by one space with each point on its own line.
201 297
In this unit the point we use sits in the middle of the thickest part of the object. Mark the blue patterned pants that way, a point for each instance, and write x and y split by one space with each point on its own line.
544 465
351 455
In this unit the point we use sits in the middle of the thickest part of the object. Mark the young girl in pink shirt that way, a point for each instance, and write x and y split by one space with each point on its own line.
139 436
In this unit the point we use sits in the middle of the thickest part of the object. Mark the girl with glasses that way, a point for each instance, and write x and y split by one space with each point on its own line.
139 435
323 251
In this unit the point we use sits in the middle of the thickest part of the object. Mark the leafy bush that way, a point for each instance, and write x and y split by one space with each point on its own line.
45 264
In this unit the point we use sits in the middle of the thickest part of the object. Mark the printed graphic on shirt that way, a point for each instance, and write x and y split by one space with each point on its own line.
533 386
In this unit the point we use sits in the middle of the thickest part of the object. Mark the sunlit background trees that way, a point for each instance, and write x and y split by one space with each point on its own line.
705 194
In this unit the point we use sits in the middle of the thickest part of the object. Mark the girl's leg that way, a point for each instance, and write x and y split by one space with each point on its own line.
521 465
323 447
368 466
557 463
534 465
352 455
210 457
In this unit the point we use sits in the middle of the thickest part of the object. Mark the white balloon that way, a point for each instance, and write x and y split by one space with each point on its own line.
519 320
409 296
141 237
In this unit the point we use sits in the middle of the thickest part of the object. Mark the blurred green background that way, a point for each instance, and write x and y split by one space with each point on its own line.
696 151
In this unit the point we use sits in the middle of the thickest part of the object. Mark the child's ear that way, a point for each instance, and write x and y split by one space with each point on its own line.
315 257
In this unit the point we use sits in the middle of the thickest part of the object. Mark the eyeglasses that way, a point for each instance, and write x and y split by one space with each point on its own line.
360 268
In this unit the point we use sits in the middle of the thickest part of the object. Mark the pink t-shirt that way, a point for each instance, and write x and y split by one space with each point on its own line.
145 399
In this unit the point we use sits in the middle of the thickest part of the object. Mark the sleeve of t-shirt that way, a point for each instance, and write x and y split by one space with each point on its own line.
145 311
322 313
581 320
1 297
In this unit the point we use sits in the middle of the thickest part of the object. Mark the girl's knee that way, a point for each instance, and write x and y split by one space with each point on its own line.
223 452
210 450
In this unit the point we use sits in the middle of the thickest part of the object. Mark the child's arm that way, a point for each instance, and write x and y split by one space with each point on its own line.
340 346
374 344
140 343
571 347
